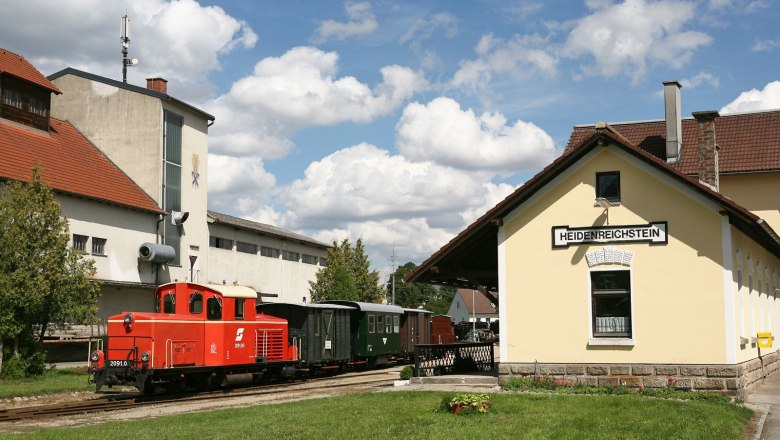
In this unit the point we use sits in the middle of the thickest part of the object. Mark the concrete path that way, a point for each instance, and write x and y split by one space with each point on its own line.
768 394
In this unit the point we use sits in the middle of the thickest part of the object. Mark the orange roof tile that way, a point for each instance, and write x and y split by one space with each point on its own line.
69 163
16 65
482 305
748 141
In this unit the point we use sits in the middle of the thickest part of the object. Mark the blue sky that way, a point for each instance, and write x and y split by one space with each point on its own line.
403 122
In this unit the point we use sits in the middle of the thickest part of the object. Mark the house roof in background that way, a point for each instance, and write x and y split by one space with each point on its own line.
263 229
748 142
16 65
482 306
69 163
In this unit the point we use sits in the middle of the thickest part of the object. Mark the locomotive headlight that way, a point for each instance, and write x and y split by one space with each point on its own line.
95 356
145 356
128 319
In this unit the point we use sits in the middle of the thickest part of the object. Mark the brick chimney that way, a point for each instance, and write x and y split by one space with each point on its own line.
708 148
673 120
157 84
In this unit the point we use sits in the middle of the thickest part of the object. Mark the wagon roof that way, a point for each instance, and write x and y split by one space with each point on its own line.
368 307
311 305
418 311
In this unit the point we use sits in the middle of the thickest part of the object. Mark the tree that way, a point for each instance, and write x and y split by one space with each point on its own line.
347 275
44 283
437 299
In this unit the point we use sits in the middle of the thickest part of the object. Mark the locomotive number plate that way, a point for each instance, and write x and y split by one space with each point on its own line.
124 363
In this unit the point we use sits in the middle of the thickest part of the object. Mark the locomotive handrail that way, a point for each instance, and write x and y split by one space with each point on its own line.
98 346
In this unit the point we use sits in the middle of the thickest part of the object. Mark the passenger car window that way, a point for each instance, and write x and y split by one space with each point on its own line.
196 303
214 308
389 324
371 322
396 326
380 324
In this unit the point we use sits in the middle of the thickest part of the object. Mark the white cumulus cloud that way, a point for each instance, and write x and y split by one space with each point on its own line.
238 183
624 38
367 183
521 56
442 132
361 22
766 99
179 40
301 88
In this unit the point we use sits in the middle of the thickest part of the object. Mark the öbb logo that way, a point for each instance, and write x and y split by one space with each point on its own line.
240 334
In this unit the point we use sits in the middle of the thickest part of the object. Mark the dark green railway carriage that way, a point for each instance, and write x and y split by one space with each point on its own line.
320 333
376 332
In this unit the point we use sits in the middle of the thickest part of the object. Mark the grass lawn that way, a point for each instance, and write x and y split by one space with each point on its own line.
57 380
413 415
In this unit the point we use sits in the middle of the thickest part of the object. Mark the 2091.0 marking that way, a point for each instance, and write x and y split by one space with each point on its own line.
124 363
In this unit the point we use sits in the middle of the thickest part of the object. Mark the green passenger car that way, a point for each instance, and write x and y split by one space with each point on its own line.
376 332
318 333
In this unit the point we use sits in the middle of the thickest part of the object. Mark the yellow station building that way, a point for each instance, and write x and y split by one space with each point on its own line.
632 259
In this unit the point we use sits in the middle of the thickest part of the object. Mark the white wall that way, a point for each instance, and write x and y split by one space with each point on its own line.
288 279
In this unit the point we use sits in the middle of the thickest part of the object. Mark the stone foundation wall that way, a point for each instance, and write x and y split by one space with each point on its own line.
727 379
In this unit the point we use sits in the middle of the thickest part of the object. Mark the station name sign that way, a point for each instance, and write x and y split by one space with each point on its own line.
655 232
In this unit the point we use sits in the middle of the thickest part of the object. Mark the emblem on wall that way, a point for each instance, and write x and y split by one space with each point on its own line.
195 174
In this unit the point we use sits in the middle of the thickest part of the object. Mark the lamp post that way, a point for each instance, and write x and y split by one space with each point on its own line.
474 315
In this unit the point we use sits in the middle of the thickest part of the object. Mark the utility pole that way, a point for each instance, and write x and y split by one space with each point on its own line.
392 274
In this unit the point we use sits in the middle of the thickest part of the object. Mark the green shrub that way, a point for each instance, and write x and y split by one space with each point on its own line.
13 368
407 373
36 364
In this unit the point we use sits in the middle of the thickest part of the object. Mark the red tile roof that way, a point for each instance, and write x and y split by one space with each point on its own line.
18 66
69 163
748 141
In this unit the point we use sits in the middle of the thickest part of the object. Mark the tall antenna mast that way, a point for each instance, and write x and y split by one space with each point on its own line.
125 39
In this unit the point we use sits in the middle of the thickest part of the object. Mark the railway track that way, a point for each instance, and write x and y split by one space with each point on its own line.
132 401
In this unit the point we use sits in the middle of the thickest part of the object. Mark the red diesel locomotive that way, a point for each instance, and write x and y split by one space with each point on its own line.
200 336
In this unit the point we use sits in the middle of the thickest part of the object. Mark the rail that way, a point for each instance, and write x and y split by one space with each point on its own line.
441 359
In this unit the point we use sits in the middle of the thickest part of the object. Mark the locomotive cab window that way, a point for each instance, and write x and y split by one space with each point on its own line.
169 303
371 323
239 308
196 303
214 308
380 324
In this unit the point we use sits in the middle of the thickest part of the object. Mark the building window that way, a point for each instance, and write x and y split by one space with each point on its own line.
239 308
98 246
608 186
172 183
290 255
247 248
611 302
80 242
221 243
309 259
269 252
12 98
37 107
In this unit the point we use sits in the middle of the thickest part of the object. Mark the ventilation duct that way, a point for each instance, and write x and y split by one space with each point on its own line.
156 253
